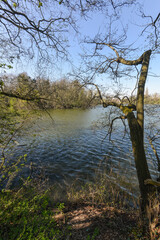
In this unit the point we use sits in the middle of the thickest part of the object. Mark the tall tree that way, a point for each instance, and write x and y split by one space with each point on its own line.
109 55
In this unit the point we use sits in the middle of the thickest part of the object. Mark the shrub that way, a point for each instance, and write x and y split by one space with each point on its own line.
24 215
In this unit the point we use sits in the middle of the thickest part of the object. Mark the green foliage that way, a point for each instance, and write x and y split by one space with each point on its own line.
8 122
138 233
1 83
60 207
14 5
4 65
10 126
26 216
94 235
61 94
40 4
23 214
25 86
9 170
69 95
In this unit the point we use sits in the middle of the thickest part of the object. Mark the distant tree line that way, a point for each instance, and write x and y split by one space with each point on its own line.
151 98
42 93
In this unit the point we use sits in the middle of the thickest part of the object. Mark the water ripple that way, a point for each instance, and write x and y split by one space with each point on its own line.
72 148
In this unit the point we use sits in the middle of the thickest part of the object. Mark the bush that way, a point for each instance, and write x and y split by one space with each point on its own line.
25 216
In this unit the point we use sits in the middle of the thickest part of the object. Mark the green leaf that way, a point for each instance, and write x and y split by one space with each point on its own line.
14 4
2 64
1 83
40 4
9 66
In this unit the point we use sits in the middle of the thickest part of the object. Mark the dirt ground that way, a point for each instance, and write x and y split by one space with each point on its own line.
99 223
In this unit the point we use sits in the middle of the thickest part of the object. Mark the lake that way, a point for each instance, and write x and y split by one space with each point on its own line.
72 145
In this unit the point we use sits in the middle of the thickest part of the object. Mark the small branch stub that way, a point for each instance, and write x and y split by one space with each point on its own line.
152 182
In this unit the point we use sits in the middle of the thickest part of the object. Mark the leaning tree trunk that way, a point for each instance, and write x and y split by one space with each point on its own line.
136 135
136 126
149 202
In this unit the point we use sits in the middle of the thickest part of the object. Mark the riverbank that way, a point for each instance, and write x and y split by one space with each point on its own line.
94 212
101 210
78 221
101 222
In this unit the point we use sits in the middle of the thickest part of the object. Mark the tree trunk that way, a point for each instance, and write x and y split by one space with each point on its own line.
141 88
136 126
149 201
136 135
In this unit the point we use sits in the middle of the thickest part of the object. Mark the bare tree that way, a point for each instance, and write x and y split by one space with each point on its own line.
109 55
28 25
133 112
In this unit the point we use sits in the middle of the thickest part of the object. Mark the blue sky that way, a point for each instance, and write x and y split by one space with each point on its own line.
135 25
97 22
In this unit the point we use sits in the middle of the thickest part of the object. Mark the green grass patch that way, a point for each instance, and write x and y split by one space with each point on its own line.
25 216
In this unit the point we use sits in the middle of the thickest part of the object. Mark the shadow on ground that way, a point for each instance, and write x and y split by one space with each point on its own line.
99 223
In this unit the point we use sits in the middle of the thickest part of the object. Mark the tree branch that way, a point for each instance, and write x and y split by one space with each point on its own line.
152 182
21 97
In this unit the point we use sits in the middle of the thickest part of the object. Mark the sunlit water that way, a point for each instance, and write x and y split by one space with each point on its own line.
72 146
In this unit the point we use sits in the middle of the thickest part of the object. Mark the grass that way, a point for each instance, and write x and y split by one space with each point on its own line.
104 210
94 211
25 215
101 210
102 191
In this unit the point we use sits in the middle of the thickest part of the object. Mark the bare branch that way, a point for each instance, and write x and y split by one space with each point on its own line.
112 122
21 97
155 152
120 59
156 28
152 182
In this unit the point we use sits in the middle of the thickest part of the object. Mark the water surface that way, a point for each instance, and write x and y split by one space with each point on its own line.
72 146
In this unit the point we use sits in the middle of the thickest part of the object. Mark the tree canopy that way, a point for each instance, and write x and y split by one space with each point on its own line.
28 26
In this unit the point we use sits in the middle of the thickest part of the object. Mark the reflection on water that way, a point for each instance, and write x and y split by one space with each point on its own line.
71 147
